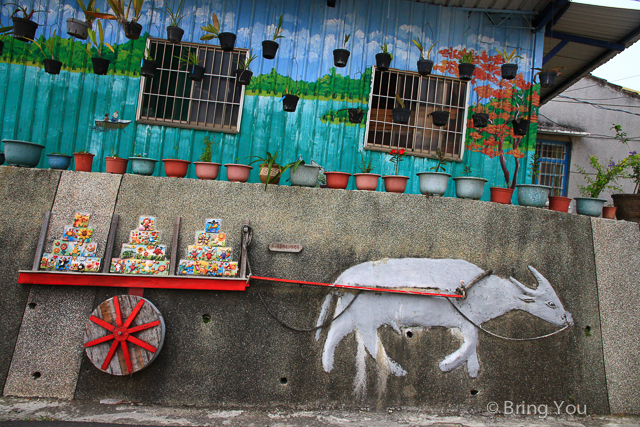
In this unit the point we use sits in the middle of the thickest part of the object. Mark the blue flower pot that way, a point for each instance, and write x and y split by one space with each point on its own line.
59 161
469 187
434 183
305 176
22 153
533 195
143 165
589 206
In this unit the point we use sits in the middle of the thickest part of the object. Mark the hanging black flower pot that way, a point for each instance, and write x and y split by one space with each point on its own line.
1 47
440 118
24 29
269 49
174 34
520 127
148 68
243 77
290 102
227 41
548 78
355 115
480 120
425 66
401 115
383 61
196 73
331 3
465 71
51 66
132 30
100 66
340 57
509 71
77 28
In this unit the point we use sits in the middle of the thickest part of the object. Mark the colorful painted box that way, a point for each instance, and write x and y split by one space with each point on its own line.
210 239
137 237
76 234
212 225
63 263
146 223
118 265
48 262
81 220
158 268
62 247
208 253
152 252
199 268
229 268
223 254
81 263
185 267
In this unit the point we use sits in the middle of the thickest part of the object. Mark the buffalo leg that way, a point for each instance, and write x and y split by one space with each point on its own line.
466 352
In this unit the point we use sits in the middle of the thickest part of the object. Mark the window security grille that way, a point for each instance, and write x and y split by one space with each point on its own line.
554 162
423 95
170 98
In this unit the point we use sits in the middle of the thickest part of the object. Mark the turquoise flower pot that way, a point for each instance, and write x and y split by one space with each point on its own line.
533 195
589 206
305 176
143 165
22 153
469 187
59 161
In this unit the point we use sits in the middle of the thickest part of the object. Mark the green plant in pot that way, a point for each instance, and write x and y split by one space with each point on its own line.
132 29
270 170
83 160
100 64
466 65
141 164
243 73
547 76
341 56
115 164
270 47
425 64
24 29
51 65
533 194
628 204
396 183
205 168
227 40
303 175
604 178
365 180
383 59
509 69
469 187
79 29
148 65
191 60
436 182
174 167
401 114
176 14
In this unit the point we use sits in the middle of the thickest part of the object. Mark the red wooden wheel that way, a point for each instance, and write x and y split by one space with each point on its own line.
124 335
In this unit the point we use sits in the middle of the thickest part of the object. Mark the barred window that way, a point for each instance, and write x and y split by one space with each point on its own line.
171 98
421 94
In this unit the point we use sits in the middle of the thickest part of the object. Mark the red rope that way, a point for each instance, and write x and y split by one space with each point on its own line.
362 288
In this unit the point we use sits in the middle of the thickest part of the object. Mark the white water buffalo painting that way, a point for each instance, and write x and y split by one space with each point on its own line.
491 297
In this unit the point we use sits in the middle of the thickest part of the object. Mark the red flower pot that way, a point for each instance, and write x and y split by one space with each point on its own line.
366 181
116 165
339 179
237 173
395 183
559 203
83 161
207 170
609 212
501 195
176 168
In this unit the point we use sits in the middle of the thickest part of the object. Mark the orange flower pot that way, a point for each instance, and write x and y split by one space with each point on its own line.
207 170
339 180
83 161
366 181
609 212
395 183
176 168
559 203
116 165
501 195
237 173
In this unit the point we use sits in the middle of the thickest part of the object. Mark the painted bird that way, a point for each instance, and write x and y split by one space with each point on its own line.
114 117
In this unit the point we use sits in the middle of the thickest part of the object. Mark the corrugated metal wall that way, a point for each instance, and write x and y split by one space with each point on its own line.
59 110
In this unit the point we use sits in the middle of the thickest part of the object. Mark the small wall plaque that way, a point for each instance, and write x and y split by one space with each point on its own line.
285 247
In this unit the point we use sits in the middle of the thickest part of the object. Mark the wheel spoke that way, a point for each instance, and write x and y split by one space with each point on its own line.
143 327
99 340
116 304
102 323
112 351
134 313
127 358
140 343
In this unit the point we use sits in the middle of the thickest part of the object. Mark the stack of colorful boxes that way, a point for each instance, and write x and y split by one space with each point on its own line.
143 254
209 256
75 251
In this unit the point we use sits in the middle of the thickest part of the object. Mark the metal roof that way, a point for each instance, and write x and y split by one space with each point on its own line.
591 35
493 5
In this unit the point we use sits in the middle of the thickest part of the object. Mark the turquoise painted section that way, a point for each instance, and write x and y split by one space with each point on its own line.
59 111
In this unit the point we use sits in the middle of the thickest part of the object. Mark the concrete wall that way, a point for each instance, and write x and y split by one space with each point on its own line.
598 122
244 357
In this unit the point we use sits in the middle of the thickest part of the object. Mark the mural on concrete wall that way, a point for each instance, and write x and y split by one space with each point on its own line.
488 299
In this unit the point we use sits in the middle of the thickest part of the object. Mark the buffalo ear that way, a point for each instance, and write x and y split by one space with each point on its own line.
527 291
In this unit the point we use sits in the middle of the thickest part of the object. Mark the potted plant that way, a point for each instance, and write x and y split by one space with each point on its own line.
557 202
605 177
466 65
237 172
174 32
469 187
628 205
243 73
79 29
365 180
205 168
341 56
499 194
520 124
22 153
509 69
100 64
355 114
303 175
383 59
59 161
401 114
532 194
270 47
196 71
142 165
338 180
440 118
148 65
547 76
227 40
435 183
51 65
425 64
270 171
609 212
24 29
115 164
289 101
132 28
396 183
83 161
175 167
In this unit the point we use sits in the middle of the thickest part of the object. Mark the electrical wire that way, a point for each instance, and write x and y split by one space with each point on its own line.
599 106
